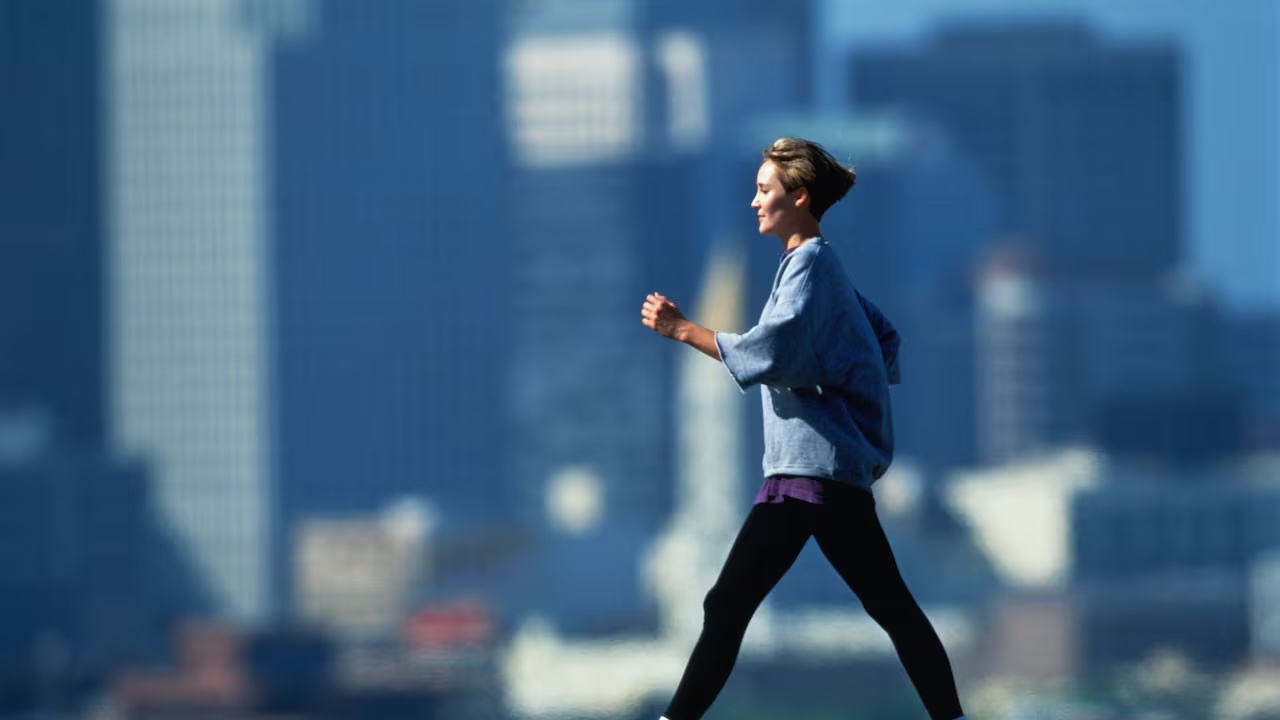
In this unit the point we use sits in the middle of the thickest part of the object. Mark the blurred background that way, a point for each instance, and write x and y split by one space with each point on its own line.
323 391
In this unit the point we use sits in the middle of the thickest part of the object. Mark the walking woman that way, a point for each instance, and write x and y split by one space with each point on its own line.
824 358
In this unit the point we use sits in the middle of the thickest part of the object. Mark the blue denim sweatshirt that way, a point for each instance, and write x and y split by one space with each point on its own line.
824 357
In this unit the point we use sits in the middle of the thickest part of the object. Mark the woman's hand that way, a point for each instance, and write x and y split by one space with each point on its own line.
662 316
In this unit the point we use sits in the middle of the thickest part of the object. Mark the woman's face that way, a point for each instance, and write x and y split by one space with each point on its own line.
776 209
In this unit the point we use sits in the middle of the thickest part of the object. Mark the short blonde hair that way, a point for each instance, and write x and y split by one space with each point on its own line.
804 163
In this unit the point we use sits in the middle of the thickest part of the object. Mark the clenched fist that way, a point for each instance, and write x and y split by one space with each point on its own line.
662 316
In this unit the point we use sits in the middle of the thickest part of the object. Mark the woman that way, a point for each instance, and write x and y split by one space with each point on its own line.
824 358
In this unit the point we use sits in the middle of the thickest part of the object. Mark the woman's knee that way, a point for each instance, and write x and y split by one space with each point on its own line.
724 607
891 604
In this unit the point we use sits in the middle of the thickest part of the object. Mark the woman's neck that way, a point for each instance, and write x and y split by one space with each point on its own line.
805 227
796 239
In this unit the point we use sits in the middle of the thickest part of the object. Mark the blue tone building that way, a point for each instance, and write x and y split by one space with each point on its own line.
1164 557
1096 359
189 366
1081 301
612 107
51 234
83 571
1251 355
390 261
1080 137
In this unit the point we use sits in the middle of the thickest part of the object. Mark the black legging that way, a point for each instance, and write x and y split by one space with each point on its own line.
849 534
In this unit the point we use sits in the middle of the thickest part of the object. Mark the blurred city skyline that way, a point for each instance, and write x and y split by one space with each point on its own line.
322 376
1232 105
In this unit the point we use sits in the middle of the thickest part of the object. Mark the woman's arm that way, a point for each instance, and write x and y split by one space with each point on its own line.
777 351
662 316
781 350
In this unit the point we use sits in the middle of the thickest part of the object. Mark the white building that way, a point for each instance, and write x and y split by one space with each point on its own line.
1144 556
357 578
187 272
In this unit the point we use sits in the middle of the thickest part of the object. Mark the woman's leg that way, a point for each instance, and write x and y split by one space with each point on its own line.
767 545
849 534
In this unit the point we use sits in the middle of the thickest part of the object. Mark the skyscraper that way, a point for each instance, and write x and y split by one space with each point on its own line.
1165 562
76 556
611 107
1080 137
1252 355
390 260
594 227
687 557
1056 352
51 236
1080 140
188 312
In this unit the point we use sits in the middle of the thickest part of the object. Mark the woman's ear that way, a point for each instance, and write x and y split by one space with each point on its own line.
802 197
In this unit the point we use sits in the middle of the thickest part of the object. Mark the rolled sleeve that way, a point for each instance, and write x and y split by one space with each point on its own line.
733 361
777 352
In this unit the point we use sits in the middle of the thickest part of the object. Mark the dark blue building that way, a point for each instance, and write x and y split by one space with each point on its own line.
1079 138
51 238
614 108
391 260
87 578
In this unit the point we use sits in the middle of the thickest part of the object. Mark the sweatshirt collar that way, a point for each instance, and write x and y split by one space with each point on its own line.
816 238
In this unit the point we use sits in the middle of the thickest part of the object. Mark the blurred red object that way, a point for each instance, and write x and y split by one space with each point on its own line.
459 624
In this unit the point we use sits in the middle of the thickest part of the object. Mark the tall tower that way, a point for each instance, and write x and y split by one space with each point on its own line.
390 262
1080 138
709 460
51 234
189 317
589 463
1080 141
611 108
1060 357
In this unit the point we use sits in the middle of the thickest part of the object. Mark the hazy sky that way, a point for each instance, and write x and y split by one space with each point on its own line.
1232 213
